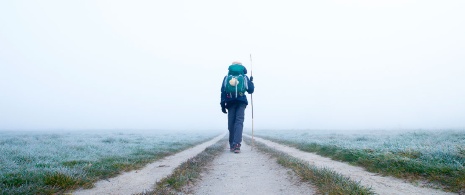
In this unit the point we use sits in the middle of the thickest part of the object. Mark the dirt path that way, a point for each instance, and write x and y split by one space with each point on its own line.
249 172
140 180
380 184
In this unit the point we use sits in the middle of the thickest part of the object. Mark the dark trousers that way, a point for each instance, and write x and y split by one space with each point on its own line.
235 123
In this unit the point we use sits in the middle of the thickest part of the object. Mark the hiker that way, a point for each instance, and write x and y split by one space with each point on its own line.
233 98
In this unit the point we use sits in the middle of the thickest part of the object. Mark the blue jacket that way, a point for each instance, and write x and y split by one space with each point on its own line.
227 100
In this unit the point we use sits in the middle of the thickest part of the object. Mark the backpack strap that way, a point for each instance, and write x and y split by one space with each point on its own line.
225 81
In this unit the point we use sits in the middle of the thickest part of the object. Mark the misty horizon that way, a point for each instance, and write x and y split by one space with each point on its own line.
334 65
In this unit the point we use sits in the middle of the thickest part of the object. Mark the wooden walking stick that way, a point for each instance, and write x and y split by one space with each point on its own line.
251 101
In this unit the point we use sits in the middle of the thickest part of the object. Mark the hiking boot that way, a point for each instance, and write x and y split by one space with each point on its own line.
237 148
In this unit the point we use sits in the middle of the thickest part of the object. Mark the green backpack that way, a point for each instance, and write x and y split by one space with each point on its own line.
235 83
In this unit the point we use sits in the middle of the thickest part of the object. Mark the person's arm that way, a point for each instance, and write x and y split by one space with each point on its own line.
223 97
250 85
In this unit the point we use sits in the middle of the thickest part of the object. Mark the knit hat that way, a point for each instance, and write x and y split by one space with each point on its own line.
237 62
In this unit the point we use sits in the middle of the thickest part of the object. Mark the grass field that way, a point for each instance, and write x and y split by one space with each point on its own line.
435 156
54 162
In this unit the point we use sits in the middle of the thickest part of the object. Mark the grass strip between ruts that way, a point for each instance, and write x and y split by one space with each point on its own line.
397 165
188 172
326 180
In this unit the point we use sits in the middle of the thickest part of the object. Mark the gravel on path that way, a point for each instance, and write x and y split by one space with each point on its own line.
249 172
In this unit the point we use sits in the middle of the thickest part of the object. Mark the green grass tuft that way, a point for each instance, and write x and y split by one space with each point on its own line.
74 163
14 179
61 180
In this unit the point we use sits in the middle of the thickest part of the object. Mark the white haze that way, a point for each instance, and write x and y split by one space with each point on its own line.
340 64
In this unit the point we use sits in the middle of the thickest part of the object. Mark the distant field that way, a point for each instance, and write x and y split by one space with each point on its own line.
53 162
435 156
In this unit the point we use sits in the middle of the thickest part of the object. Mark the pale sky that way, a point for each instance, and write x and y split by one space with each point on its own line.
336 64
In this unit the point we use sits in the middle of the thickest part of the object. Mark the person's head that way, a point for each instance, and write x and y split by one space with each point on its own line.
236 62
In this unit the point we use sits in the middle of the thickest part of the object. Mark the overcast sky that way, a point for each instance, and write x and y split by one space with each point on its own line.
336 64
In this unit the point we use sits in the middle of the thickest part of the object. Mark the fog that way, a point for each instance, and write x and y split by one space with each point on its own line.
159 64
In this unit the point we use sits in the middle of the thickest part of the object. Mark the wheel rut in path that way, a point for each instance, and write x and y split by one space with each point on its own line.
379 184
138 181
249 172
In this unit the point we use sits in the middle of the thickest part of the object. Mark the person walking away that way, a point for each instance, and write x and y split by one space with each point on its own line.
234 100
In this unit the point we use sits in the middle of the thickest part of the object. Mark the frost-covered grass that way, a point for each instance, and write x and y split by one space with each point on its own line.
435 156
53 162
